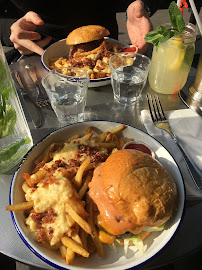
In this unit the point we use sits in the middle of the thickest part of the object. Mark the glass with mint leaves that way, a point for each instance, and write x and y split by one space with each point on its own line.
173 52
15 136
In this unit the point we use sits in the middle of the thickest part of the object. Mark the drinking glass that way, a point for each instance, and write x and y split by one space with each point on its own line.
15 136
129 73
171 62
67 91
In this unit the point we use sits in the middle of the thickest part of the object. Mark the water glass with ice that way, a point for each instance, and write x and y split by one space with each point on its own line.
67 91
129 73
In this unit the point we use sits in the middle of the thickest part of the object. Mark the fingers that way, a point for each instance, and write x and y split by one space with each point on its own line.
28 47
139 9
34 18
23 32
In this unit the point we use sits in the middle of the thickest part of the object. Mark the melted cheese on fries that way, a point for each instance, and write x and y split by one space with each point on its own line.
95 63
51 196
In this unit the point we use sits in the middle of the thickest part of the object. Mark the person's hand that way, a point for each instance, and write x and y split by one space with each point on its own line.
24 37
138 25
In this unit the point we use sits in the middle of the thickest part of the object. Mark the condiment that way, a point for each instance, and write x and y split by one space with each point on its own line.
138 146
130 49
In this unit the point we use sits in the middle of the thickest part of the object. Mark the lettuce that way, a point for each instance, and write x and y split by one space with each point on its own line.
154 229
136 242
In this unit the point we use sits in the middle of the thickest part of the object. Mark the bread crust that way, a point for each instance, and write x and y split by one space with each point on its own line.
86 34
139 187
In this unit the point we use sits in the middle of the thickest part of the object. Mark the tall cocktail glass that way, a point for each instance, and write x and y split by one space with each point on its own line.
171 62
15 136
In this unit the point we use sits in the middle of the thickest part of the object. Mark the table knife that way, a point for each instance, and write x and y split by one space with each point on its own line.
190 103
33 110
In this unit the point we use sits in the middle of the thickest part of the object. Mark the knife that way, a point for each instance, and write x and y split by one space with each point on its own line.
33 110
190 103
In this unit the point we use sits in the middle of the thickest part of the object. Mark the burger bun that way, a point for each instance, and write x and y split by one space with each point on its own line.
139 187
86 34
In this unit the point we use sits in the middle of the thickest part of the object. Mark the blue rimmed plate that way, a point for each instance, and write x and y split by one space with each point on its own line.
112 260
60 49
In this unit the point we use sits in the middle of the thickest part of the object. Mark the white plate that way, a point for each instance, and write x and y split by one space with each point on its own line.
61 49
112 260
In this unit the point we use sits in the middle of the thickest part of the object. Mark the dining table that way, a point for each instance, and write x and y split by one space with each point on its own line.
101 106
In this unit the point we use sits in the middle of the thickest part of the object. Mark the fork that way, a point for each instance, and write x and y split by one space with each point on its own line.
159 119
41 100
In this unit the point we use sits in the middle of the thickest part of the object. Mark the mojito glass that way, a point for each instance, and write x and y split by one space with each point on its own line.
171 62
15 136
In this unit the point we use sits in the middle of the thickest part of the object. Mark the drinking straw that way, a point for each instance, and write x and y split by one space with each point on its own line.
193 7
178 3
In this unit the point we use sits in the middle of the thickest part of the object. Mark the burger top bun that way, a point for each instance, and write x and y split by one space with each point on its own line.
86 34
139 187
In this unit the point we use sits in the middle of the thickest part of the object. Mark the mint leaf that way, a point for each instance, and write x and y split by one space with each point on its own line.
180 24
176 19
161 34
7 152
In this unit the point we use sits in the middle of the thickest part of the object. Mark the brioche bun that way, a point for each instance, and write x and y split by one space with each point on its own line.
132 190
86 34
139 187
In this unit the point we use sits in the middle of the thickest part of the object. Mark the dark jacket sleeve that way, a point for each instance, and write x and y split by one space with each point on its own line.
5 31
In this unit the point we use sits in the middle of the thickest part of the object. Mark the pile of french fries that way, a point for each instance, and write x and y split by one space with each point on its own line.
83 237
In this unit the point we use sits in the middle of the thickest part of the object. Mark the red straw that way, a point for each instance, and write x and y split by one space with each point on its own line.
182 6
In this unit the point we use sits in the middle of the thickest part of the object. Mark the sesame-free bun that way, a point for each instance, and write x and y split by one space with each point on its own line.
86 34
139 187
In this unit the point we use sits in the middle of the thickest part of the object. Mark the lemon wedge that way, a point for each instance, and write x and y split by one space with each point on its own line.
175 54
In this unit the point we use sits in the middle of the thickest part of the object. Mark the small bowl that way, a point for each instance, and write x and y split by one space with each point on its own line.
61 49
140 146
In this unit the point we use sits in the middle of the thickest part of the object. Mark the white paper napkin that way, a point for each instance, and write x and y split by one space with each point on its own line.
187 126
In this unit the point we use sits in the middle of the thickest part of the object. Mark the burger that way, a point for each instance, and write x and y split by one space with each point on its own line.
89 50
134 195
86 40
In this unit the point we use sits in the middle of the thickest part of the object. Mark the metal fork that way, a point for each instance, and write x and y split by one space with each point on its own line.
41 99
159 119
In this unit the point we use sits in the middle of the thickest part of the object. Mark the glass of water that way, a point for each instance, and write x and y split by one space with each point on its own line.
129 73
67 90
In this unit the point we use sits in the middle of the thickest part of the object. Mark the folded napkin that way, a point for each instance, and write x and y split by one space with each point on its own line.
187 126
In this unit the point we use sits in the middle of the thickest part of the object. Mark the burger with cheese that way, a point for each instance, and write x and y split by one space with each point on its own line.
134 195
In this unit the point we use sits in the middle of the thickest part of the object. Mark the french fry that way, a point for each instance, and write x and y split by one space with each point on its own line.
83 237
74 137
102 137
107 145
69 243
25 187
87 136
63 251
79 220
89 130
109 137
117 129
70 254
79 174
28 180
95 236
77 206
84 188
77 239
20 206
120 143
